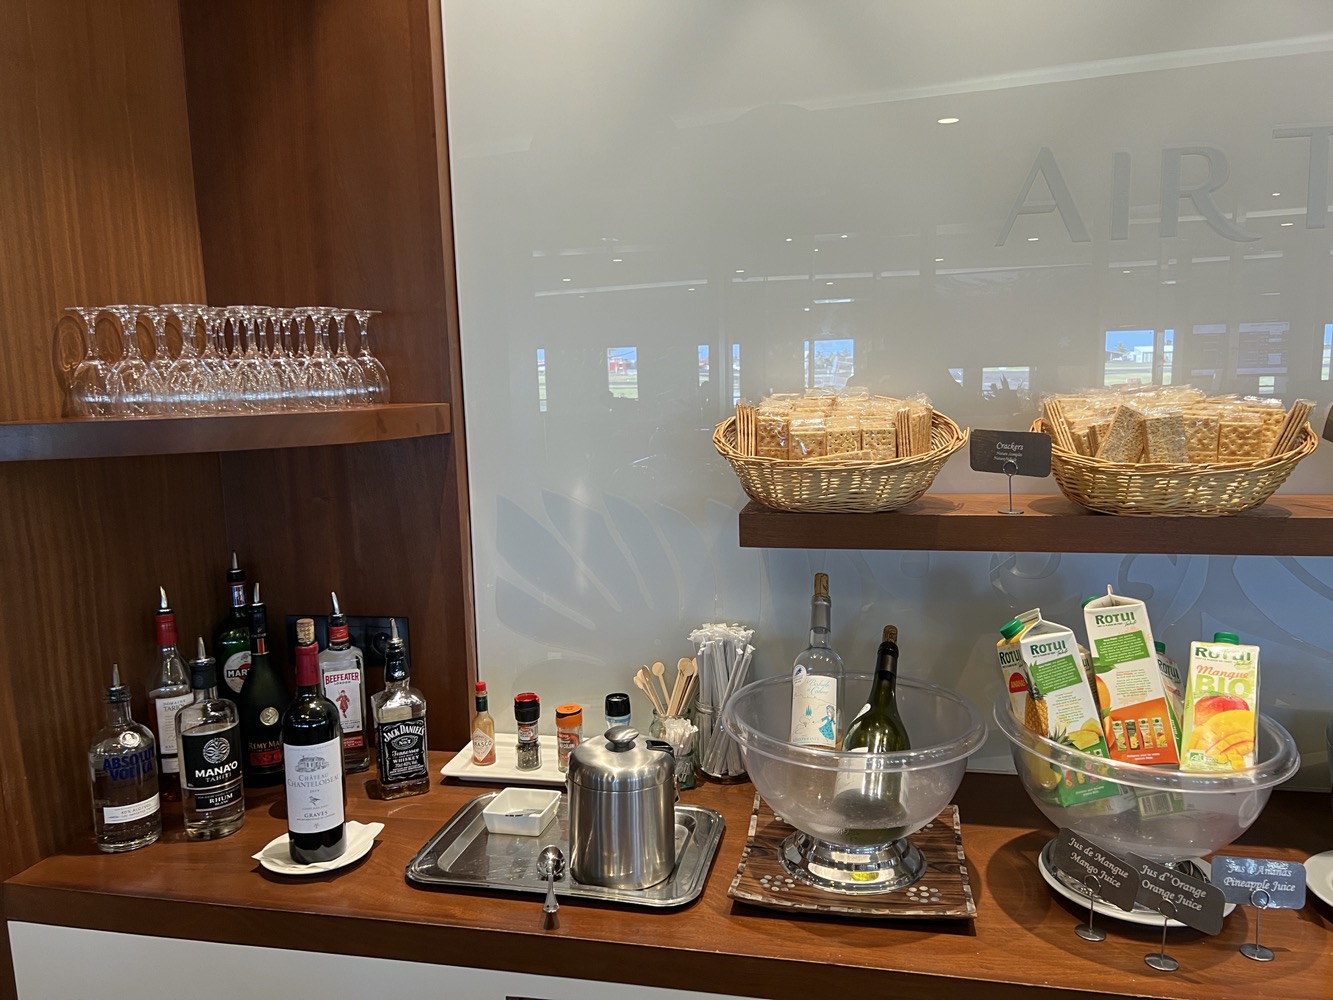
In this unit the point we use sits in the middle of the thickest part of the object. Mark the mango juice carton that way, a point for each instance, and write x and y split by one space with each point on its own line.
1011 660
1061 706
1173 684
1221 705
1135 716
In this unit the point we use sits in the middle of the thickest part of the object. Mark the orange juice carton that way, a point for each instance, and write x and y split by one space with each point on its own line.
1221 705
1132 700
1173 683
1011 660
1061 707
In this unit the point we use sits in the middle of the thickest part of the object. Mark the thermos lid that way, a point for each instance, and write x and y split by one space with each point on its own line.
621 762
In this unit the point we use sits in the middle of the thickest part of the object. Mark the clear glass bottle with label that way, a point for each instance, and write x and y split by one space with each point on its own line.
122 766
208 733
342 679
400 727
817 679
313 762
168 693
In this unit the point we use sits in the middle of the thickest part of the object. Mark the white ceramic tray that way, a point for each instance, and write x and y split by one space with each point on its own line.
505 769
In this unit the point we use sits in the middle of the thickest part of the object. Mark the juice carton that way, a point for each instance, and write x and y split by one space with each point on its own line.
1221 705
1061 703
1173 684
1133 704
1011 660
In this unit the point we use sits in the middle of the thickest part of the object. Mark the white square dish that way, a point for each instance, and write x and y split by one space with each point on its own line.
524 812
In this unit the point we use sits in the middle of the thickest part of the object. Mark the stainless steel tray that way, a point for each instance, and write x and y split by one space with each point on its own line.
464 854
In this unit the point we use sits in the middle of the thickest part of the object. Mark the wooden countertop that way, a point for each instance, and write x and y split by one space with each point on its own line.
1022 942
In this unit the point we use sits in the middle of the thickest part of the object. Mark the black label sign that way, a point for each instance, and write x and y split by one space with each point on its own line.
1183 897
1111 878
1023 453
211 760
402 751
1243 880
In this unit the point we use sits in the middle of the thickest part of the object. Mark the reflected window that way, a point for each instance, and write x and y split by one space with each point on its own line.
828 363
1168 355
1328 350
1004 380
735 374
1128 357
541 379
703 364
622 372
1261 357
957 374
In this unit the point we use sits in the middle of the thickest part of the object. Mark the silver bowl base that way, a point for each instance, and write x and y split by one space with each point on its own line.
851 870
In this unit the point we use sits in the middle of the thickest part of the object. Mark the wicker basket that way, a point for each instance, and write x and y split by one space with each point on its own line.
826 484
1173 490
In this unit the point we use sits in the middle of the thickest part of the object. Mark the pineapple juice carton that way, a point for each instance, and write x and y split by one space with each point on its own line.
1221 705
1173 684
1133 702
1062 700
1011 660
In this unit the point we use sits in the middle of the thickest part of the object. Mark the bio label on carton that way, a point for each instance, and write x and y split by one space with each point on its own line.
1221 705
1135 715
1063 700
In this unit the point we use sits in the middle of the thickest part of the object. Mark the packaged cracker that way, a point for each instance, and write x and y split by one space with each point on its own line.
1221 705
879 433
1164 434
771 429
1240 435
807 434
1271 417
919 414
1129 683
1201 429
844 432
1124 440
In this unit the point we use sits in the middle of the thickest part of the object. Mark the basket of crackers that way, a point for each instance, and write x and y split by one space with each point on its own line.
1172 451
837 451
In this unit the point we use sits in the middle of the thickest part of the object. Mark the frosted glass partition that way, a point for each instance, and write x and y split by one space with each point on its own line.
662 206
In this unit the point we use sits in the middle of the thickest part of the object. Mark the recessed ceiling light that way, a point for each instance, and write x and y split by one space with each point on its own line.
807 309
1169 281
1126 271
740 270
816 249
946 121
1276 193
1033 239
828 282
1289 223
616 260
844 236
566 279
691 289
788 239
939 260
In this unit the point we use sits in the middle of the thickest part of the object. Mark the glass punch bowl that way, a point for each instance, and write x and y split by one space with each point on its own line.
853 811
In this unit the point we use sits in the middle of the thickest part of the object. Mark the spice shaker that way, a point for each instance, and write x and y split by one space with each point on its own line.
568 732
527 710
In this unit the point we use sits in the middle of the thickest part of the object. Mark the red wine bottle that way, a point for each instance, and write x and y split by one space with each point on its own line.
313 758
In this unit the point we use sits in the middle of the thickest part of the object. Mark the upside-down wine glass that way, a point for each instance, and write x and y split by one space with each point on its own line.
320 374
284 365
90 382
377 379
188 382
353 381
135 390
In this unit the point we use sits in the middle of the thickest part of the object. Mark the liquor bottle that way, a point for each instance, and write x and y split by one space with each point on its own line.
483 730
817 679
313 758
400 723
231 638
342 675
122 765
263 697
168 693
208 732
878 728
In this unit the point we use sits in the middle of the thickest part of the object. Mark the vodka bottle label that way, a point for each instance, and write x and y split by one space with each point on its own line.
133 812
314 786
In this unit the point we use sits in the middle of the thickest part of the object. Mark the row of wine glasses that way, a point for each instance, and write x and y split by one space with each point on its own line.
232 359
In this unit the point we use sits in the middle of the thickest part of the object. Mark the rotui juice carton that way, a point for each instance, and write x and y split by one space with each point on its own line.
1011 660
1221 705
1136 719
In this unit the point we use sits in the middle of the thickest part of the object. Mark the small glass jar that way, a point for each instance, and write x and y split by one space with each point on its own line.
617 710
568 733
527 712
684 761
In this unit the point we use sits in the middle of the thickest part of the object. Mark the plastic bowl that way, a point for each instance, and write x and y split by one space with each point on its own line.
823 793
1157 813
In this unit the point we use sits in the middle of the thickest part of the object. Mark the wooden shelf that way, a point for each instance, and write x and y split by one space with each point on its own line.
1288 525
1021 943
32 442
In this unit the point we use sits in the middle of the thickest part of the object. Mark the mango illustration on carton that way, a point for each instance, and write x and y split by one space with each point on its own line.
1139 726
1221 705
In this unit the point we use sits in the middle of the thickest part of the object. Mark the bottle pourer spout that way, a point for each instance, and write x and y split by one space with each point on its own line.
393 630
234 563
203 654
162 592
336 610
257 600
115 675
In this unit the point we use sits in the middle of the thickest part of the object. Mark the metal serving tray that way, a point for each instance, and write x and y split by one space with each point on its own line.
464 854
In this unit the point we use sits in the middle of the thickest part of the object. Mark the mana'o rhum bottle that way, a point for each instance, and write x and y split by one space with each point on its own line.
208 732
817 679
312 757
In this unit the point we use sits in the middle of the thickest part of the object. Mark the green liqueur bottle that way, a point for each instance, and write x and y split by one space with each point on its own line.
231 638
870 799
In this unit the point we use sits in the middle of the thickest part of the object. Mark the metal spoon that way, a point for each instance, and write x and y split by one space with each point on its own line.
551 866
